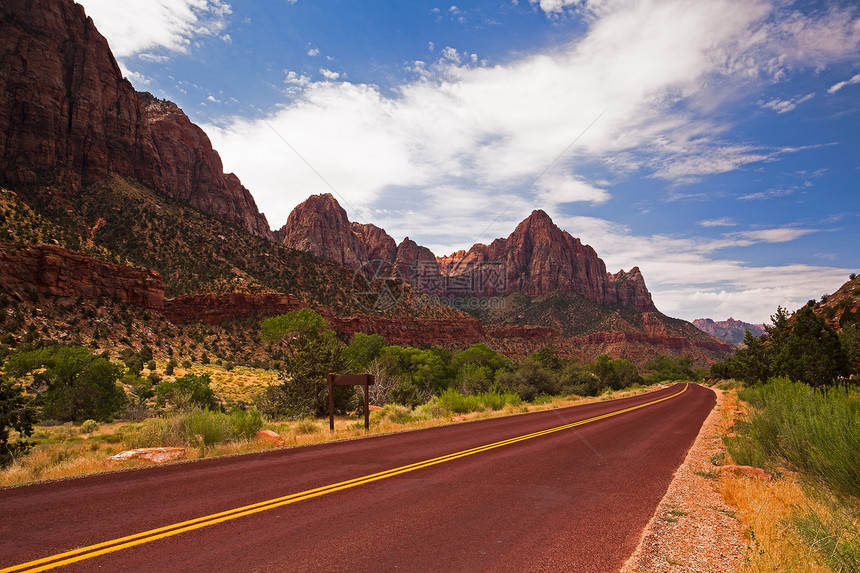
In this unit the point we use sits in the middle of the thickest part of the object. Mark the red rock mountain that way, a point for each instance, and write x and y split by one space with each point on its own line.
537 258
68 118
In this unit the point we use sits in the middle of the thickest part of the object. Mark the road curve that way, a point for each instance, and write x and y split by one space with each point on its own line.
563 490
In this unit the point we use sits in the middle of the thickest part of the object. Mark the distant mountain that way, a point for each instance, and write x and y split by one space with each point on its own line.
731 330
536 286
537 258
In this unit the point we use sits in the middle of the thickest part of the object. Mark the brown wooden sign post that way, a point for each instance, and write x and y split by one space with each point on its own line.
349 380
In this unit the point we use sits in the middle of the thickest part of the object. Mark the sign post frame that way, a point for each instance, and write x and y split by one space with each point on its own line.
365 380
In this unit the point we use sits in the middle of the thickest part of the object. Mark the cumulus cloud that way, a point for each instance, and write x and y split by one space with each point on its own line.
170 25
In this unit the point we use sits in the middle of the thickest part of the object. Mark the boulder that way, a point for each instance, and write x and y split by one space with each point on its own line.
270 437
152 455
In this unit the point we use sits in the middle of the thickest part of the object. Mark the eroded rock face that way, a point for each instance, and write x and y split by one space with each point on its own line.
321 227
730 330
56 271
68 118
192 171
537 258
66 113
414 331
215 308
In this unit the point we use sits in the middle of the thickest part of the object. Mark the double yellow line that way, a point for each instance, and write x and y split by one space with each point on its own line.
118 544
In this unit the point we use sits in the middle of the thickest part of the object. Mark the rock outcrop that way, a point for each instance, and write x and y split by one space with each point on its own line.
55 271
215 308
414 331
68 118
539 258
66 113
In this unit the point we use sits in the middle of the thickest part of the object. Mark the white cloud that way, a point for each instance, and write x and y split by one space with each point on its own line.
839 85
329 75
559 189
688 279
133 27
783 106
722 222
314 52
769 194
779 235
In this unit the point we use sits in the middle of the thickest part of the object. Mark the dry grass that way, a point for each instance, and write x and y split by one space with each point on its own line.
767 509
65 452
770 509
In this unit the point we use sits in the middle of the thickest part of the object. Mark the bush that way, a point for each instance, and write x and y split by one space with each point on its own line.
89 426
246 423
16 413
813 431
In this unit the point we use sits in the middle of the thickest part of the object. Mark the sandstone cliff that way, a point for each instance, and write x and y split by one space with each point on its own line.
192 171
68 118
537 258
60 272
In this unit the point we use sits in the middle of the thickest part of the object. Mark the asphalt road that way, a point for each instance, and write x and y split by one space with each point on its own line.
550 491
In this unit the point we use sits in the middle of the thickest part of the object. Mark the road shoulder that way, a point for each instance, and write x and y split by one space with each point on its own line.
693 529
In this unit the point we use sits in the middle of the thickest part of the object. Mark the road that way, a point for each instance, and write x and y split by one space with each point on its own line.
562 490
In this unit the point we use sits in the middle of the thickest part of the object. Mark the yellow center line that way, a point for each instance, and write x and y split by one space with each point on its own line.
120 543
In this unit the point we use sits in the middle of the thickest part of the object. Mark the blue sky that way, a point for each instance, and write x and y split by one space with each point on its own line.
714 144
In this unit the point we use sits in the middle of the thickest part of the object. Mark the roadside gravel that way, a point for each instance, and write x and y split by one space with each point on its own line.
693 529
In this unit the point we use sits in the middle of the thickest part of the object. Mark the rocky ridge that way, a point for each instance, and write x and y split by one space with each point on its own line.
537 258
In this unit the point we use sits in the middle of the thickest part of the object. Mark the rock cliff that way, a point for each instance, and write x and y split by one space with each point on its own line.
68 118
60 272
191 170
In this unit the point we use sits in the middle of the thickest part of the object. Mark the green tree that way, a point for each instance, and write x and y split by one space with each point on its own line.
812 352
71 383
17 413
616 374
364 349
186 392
668 368
530 380
311 352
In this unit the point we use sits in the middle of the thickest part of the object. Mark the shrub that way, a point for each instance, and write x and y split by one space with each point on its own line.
246 423
89 426
16 413
188 391
71 382
813 431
